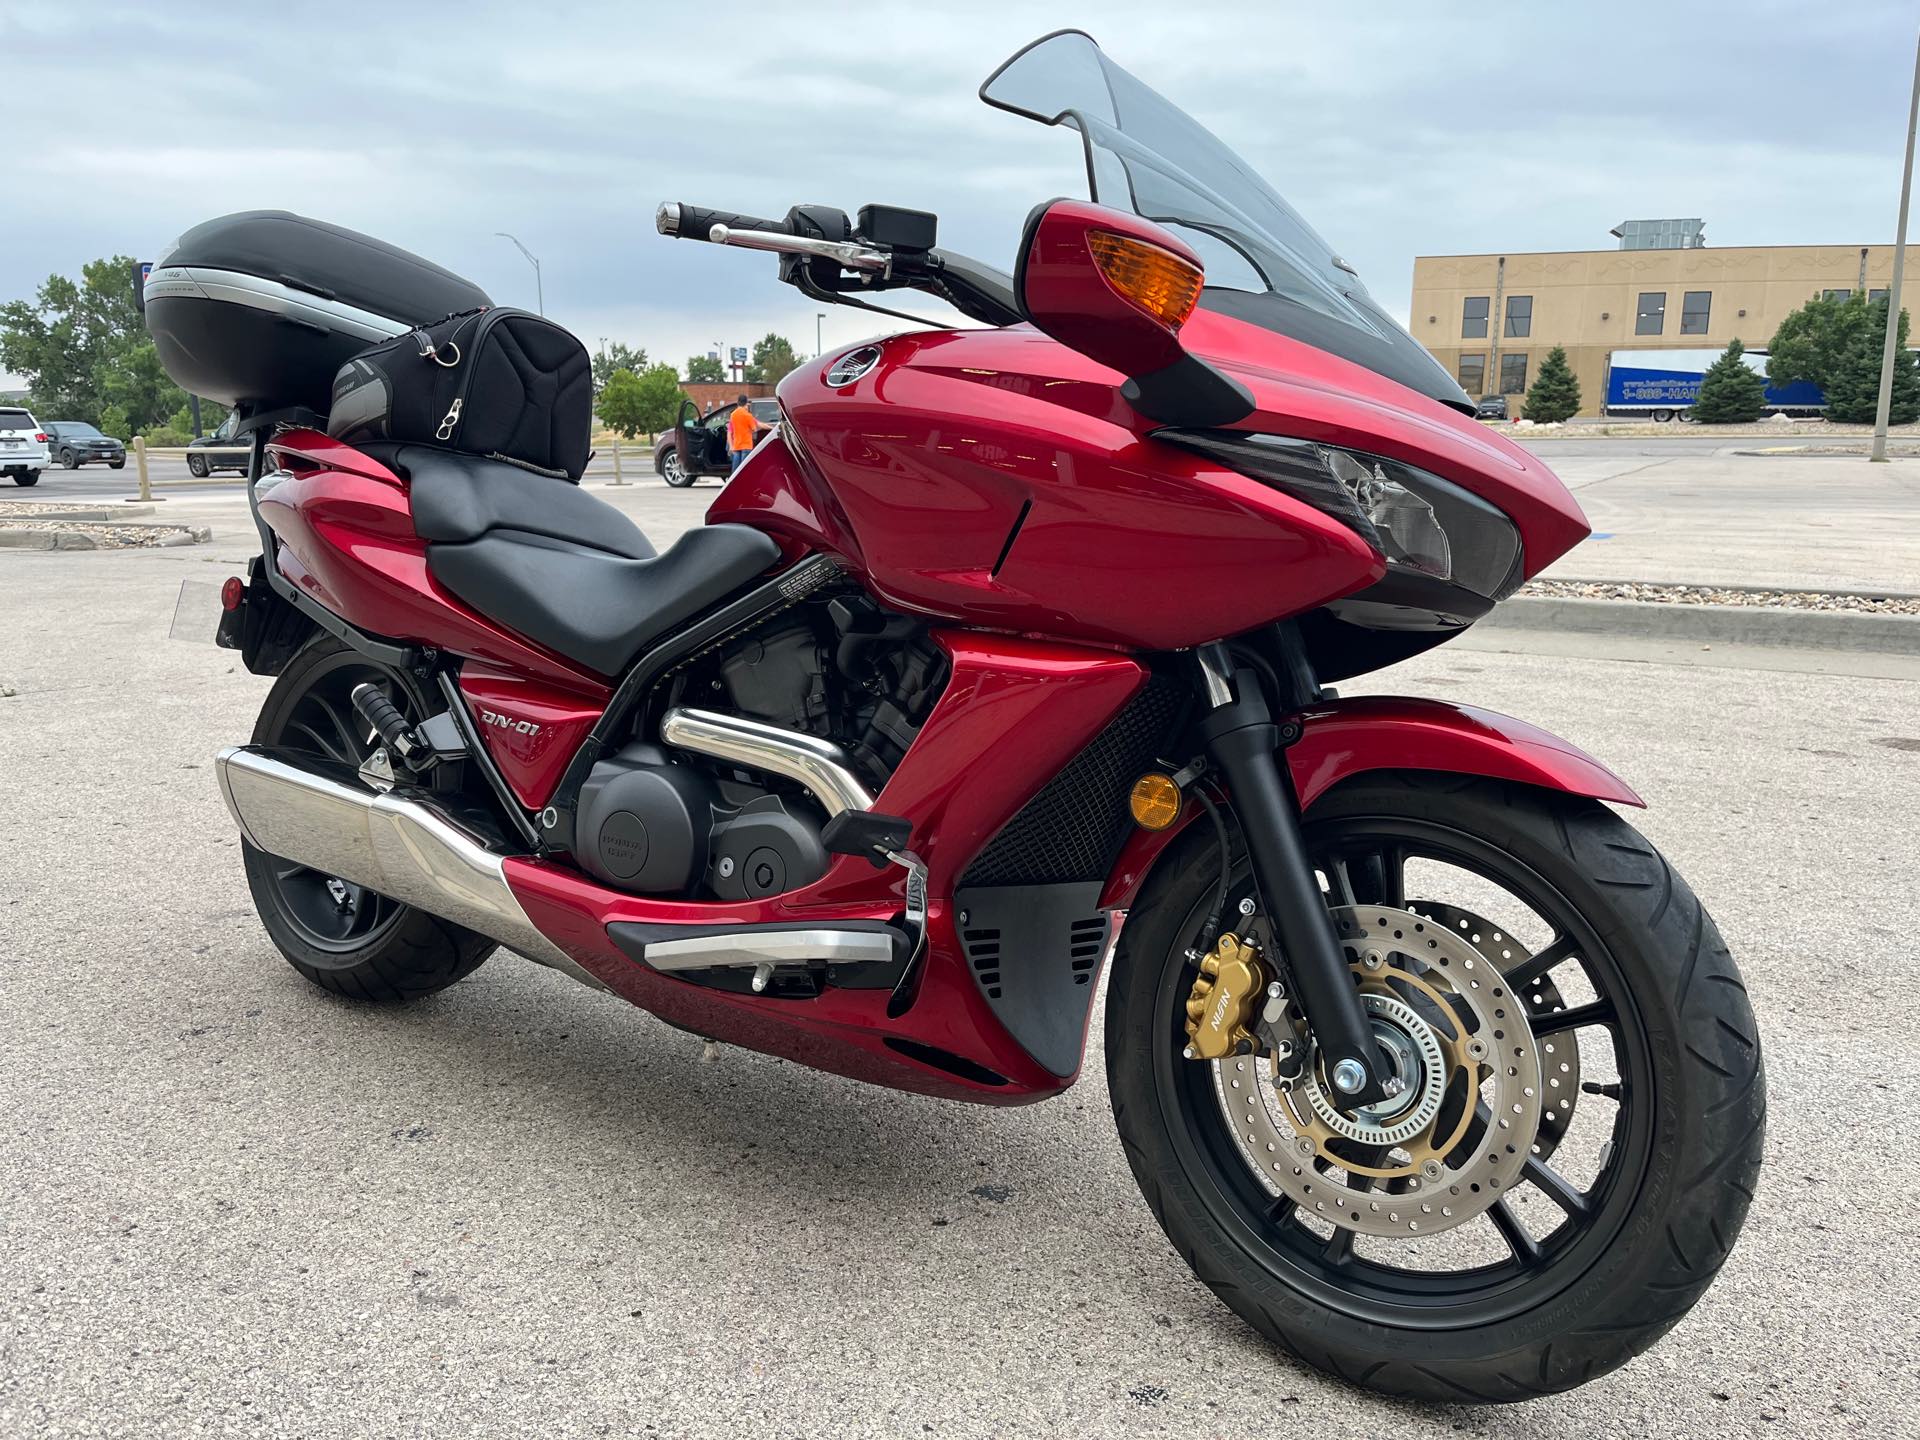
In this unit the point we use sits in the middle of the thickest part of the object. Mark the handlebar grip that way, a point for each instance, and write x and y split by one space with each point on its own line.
696 222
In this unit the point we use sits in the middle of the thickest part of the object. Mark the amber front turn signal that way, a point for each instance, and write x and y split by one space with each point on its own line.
1155 280
1154 801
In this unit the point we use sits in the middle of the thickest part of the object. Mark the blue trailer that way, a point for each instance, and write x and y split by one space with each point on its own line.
1660 384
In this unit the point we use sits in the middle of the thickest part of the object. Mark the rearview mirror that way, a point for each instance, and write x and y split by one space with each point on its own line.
1117 289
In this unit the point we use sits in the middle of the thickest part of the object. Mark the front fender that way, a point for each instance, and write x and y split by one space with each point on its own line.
1343 738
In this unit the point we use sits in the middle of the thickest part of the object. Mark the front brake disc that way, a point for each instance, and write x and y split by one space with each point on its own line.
1414 1165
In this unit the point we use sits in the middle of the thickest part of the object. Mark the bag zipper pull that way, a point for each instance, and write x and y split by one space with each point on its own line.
445 432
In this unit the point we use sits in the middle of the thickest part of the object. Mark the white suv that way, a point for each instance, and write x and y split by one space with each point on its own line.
23 446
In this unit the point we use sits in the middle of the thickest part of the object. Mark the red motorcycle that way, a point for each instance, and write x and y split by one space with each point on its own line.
1427 1062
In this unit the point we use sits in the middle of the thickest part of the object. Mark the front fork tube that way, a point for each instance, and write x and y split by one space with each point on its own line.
1242 743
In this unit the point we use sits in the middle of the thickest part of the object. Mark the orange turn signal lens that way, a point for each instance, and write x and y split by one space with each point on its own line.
1155 280
1154 801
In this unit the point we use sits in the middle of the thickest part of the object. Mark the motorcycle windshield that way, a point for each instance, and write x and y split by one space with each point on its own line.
1265 264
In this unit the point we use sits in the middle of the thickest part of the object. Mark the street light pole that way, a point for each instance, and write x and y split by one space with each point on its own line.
539 289
817 318
1884 409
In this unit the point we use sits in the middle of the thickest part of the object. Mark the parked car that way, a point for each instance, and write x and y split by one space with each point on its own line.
217 451
697 445
23 446
73 443
1491 407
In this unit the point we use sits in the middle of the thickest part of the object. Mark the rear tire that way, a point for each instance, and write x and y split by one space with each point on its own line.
26 479
364 946
1665 1207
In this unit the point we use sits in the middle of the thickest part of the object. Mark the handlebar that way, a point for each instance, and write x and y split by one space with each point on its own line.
696 222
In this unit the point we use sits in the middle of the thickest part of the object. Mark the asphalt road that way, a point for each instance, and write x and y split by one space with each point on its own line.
235 1205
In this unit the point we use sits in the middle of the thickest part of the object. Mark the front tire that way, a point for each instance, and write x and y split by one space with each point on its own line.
671 470
197 466
1605 1266
343 938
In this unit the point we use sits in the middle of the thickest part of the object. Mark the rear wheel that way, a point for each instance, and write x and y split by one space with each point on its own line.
1581 1125
341 936
26 479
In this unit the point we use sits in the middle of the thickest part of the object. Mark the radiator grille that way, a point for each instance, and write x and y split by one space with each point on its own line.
983 950
1073 828
1086 939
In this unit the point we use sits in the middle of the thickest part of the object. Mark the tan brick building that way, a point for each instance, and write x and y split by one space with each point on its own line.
1490 319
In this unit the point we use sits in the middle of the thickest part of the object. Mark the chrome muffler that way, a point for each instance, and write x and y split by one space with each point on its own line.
400 846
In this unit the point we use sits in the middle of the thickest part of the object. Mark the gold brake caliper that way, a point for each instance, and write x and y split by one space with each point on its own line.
1221 1005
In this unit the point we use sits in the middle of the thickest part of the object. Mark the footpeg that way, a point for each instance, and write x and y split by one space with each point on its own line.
417 747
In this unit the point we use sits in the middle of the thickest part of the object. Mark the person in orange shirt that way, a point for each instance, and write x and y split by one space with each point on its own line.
741 428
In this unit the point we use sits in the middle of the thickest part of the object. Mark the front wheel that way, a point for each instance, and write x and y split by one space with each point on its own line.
197 466
671 470
341 936
1579 1124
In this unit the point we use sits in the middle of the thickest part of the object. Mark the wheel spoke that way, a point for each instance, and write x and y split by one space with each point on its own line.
1340 883
1540 962
1524 1247
1339 1247
1381 877
1555 1022
1555 1186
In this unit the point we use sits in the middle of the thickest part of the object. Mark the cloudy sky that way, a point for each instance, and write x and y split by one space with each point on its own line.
1396 128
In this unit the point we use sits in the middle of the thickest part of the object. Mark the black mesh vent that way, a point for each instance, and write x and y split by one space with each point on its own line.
1086 939
983 950
1073 828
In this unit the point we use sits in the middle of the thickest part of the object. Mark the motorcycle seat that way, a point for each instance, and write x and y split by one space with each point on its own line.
568 571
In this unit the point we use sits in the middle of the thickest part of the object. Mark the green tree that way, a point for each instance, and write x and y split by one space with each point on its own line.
1853 390
632 405
1812 341
1730 392
773 359
615 357
705 368
85 352
1555 393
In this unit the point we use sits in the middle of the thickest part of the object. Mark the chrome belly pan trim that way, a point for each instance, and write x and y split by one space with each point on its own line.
771 947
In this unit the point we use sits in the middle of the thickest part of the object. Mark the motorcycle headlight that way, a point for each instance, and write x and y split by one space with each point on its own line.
1421 524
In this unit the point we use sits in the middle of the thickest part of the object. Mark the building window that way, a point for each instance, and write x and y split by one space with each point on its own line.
1695 306
1473 374
1651 318
1513 374
1874 297
1473 318
1835 294
1520 316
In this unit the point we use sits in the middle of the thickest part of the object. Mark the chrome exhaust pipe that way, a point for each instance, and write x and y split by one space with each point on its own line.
820 765
403 848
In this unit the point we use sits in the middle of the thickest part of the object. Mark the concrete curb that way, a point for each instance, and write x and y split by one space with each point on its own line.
15 539
85 514
1713 624
1852 594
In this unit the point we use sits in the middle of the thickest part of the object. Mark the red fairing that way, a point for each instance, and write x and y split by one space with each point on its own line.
530 729
1310 395
1012 715
1053 513
774 492
347 532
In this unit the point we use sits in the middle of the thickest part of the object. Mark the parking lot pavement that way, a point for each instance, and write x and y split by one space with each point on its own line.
235 1205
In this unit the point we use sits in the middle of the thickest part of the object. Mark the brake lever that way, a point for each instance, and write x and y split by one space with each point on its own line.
841 252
